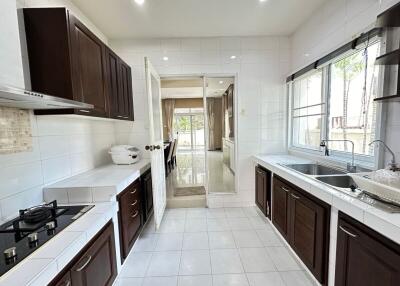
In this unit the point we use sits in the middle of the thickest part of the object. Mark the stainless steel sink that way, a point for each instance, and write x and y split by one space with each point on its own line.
315 169
338 181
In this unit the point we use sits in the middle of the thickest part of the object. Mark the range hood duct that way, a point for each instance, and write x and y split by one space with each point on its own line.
24 99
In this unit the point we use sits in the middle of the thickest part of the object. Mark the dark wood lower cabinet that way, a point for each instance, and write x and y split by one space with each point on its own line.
364 257
147 186
95 265
304 221
263 190
130 216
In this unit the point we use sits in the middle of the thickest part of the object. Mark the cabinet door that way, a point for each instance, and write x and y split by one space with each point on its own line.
307 233
97 265
280 201
126 96
364 257
261 178
130 215
88 68
113 83
148 194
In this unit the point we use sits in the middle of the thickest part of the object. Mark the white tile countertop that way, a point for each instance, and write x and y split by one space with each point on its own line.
98 185
388 224
44 264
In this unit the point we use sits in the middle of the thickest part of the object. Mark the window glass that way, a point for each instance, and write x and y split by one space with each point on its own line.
307 111
352 112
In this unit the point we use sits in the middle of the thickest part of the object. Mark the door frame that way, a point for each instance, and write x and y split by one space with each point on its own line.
235 76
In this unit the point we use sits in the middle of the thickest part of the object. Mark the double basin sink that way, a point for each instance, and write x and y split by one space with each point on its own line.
325 174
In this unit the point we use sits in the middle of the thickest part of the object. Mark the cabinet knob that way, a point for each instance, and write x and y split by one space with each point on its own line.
295 197
134 203
284 189
134 191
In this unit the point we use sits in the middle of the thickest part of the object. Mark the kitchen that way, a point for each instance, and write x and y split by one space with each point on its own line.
82 86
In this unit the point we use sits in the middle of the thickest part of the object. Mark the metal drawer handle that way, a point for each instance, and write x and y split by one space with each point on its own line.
135 214
67 283
83 110
348 232
133 192
85 264
295 197
284 189
134 203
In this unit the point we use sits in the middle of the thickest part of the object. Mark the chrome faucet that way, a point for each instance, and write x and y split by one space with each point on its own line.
392 165
350 167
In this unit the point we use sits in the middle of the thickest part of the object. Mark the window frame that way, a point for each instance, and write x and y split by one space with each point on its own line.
368 161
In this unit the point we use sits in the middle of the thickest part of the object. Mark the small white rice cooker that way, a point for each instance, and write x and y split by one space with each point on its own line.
124 154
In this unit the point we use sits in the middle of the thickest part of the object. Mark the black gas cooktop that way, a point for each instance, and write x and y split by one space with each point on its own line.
33 228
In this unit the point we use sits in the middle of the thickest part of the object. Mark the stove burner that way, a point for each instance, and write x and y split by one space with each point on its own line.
36 215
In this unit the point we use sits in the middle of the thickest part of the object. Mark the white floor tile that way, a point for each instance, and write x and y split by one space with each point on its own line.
298 278
216 213
246 238
225 261
195 240
172 225
250 212
269 237
282 259
234 212
146 242
195 262
136 265
259 223
221 239
197 280
256 260
196 225
130 282
169 241
218 224
196 213
242 223
164 264
160 281
230 280
175 213
266 279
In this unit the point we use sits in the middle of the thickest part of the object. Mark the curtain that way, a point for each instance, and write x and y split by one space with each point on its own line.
169 107
211 123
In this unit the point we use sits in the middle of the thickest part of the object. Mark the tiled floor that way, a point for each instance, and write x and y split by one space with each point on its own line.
211 247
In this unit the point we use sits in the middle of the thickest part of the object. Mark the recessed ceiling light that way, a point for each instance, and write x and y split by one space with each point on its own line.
165 58
221 82
139 2
263 0
233 57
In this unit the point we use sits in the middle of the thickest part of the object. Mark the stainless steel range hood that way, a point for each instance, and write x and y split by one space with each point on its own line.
24 99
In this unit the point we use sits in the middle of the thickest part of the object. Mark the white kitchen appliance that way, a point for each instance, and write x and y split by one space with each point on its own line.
124 154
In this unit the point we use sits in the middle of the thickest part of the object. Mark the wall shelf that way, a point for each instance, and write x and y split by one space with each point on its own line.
391 58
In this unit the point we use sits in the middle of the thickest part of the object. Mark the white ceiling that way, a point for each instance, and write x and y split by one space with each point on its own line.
193 88
122 19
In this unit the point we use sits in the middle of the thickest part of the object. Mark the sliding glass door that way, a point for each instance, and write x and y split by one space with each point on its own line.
190 129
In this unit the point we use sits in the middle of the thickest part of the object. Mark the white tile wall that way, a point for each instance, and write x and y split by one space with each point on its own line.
260 66
62 146
333 25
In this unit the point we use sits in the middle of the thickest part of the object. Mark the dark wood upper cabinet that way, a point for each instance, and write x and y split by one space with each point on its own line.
365 257
67 60
119 87
263 190
304 221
